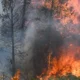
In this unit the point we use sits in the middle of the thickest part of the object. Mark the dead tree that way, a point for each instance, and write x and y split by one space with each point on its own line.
12 38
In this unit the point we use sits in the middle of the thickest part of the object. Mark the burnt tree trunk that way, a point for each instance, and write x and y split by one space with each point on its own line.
12 38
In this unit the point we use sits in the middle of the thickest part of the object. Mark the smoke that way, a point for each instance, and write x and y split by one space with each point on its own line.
41 38
44 35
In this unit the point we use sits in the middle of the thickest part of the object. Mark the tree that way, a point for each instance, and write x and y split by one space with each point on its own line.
13 24
8 8
12 35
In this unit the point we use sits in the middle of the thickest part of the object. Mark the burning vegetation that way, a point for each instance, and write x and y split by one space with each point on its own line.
67 63
65 10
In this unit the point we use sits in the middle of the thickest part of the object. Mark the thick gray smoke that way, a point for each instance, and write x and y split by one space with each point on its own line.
41 38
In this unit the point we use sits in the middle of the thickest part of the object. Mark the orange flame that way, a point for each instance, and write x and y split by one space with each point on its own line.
16 76
67 62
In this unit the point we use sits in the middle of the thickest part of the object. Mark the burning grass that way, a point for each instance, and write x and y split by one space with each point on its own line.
65 65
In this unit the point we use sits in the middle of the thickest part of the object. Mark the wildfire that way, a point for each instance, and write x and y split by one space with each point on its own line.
16 76
65 10
67 62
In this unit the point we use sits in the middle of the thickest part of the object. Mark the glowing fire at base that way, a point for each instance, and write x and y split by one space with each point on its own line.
67 62
16 76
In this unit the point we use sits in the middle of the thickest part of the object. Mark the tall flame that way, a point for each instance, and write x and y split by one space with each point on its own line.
67 62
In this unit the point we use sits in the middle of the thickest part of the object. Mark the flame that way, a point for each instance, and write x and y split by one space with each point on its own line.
16 76
65 10
67 62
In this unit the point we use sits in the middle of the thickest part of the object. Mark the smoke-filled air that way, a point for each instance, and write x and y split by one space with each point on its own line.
40 40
